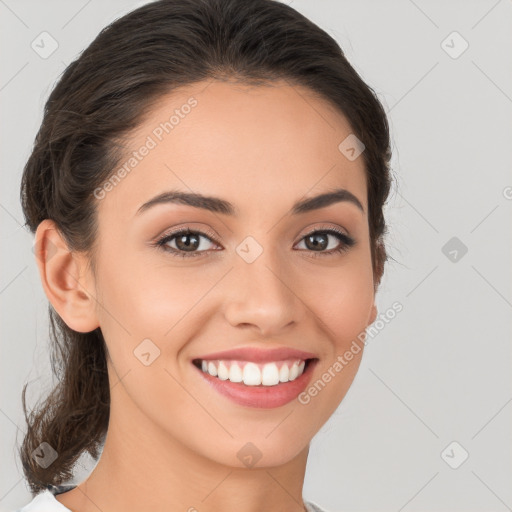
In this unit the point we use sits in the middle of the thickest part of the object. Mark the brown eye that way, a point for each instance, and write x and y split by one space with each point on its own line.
318 241
187 243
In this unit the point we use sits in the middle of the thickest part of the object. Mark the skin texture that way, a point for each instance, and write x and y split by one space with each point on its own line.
173 441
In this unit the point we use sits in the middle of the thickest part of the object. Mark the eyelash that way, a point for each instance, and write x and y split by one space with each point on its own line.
346 242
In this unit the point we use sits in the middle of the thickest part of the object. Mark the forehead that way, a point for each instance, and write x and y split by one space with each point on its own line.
252 145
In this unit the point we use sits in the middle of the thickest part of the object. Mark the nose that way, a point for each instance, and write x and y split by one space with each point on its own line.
262 294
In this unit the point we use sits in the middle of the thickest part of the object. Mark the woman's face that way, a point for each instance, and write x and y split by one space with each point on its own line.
252 278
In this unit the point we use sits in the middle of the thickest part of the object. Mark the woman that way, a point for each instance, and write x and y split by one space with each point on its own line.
206 192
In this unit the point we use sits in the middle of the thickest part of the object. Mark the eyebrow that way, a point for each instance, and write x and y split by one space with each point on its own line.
218 205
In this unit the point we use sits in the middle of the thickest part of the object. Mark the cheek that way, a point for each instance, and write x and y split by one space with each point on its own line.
341 301
146 298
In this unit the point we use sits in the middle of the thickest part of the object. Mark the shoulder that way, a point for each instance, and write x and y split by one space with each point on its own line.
313 507
45 502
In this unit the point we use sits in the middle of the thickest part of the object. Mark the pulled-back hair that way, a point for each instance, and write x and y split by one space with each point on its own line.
101 97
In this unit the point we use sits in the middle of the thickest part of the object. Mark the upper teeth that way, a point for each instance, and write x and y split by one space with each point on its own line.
253 374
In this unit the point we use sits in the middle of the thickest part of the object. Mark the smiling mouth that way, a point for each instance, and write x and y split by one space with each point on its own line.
253 374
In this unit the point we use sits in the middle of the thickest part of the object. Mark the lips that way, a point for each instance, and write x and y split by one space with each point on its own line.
256 376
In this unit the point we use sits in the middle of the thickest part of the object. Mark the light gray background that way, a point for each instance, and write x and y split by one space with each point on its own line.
440 370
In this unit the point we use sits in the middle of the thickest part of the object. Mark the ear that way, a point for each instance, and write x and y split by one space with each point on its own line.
66 278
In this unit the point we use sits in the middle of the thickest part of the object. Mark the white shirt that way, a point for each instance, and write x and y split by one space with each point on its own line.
45 501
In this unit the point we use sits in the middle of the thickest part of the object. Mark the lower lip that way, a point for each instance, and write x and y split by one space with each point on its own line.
266 397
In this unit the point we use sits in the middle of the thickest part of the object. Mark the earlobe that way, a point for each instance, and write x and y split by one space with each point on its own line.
65 278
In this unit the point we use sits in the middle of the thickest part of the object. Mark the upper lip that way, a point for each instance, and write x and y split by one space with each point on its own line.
259 355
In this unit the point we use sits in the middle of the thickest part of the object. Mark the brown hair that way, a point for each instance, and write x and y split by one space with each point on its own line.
100 98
